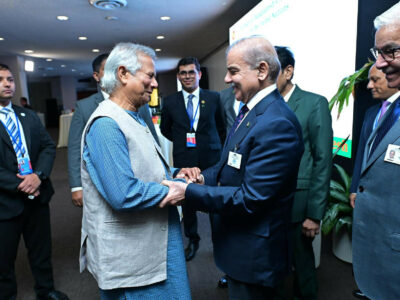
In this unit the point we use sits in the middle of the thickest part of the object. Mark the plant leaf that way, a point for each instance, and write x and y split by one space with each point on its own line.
340 196
342 222
336 186
343 175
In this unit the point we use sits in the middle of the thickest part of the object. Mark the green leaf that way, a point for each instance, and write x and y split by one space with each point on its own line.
327 225
340 196
342 222
334 185
343 175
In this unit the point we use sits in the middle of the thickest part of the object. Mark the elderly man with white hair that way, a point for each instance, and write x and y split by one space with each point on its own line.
376 224
132 247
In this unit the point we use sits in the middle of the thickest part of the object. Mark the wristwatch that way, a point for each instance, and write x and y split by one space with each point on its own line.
40 175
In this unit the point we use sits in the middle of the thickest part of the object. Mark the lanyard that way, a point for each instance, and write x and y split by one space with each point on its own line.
194 116
18 145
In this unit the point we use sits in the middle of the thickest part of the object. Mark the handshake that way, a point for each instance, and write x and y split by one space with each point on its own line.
177 189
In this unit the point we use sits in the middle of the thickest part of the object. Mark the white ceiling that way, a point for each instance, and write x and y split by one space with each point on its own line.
196 28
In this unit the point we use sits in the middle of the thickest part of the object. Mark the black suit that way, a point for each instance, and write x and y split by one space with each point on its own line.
210 132
227 102
18 214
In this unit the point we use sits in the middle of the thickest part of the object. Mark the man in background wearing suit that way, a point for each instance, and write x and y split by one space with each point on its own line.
378 85
26 158
314 116
230 107
376 222
192 112
84 108
249 192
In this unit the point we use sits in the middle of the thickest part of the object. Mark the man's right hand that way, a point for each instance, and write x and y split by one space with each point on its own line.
352 198
77 198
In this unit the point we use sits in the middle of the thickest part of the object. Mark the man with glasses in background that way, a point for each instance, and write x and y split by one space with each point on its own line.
192 120
376 222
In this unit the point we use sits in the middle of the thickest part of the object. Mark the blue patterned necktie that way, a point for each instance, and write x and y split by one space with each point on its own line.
387 123
13 132
238 119
189 107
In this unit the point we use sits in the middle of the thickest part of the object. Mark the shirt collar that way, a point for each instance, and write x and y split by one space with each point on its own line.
196 94
105 95
289 94
394 97
260 95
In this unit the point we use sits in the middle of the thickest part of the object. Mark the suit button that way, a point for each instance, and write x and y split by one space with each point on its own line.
361 189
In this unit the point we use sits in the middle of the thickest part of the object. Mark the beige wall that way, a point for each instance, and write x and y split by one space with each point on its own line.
216 68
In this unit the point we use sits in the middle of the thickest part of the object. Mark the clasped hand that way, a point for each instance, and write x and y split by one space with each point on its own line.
177 189
30 184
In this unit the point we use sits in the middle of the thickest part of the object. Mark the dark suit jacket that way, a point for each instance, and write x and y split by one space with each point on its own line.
42 152
251 207
227 98
83 110
210 131
366 130
313 113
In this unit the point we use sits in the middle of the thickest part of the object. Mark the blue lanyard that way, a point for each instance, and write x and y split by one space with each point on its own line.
194 117
19 145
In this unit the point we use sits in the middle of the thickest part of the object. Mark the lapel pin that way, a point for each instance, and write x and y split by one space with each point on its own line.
248 124
203 103
23 114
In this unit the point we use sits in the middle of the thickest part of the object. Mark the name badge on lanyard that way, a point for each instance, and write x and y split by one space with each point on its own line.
24 163
191 136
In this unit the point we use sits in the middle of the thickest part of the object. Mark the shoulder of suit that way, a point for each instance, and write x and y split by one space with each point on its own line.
89 100
310 97
373 109
209 93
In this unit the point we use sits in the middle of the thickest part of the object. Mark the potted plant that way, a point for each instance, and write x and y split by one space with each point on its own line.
339 216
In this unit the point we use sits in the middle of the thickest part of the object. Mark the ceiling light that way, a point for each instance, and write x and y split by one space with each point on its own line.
111 18
158 50
82 38
108 4
160 37
63 66
1 39
95 50
49 59
73 70
29 66
165 18
62 18
29 51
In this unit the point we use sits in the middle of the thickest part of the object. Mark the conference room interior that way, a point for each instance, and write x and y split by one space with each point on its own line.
60 80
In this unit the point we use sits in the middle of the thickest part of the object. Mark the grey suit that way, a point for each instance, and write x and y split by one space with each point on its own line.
83 110
227 99
376 224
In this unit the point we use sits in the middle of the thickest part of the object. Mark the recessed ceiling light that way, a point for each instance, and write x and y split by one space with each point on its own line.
108 4
82 38
158 50
49 59
165 18
160 37
29 51
62 18
1 39
73 70
111 18
95 50
63 66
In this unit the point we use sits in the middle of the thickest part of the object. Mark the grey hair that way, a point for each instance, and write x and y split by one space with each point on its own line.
257 53
389 17
127 55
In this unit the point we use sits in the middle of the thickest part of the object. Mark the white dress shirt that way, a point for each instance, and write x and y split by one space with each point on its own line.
196 105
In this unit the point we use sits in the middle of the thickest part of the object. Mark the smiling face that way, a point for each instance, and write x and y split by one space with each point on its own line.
189 77
7 87
386 38
378 84
138 87
241 76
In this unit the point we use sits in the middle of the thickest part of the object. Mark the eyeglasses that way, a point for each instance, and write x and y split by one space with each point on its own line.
190 73
388 54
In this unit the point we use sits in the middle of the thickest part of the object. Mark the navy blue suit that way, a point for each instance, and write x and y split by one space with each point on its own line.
250 207
366 130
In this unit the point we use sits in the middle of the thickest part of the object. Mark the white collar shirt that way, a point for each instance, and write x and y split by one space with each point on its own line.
196 105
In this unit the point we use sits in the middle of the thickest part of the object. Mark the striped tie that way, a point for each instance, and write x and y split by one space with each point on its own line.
13 133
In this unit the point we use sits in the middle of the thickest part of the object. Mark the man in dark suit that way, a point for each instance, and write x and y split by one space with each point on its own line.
313 113
378 85
376 222
26 159
83 110
192 112
230 107
249 192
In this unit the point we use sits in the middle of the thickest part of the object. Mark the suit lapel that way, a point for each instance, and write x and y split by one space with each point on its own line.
202 110
294 99
5 137
180 104
25 125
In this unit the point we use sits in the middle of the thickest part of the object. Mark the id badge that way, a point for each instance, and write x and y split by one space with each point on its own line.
190 140
24 166
393 154
234 159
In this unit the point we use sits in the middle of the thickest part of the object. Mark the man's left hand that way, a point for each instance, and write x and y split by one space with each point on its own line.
30 183
310 228
189 174
176 193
